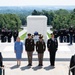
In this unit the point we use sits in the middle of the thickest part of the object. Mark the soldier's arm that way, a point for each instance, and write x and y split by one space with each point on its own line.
44 46
48 44
36 46
25 44
56 43
1 63
33 43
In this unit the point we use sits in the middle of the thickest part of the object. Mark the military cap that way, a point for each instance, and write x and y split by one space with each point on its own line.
40 37
29 34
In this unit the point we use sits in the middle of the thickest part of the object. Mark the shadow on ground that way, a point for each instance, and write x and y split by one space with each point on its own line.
25 67
49 67
14 67
37 68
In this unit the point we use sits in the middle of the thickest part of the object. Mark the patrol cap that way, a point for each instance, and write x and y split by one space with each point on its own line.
29 34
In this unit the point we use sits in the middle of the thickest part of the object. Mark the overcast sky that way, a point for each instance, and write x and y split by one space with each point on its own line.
35 2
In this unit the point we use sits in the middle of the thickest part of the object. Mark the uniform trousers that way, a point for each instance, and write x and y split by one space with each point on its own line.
0 71
9 39
67 38
61 39
74 39
71 36
40 58
52 57
29 54
15 39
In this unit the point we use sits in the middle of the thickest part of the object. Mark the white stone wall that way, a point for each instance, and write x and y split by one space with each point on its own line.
37 23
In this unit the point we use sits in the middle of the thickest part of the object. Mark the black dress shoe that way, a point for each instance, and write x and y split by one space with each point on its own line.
29 65
40 65
52 65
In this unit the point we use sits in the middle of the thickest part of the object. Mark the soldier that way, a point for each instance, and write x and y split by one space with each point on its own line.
52 45
15 34
61 33
64 35
29 47
3 35
6 34
55 32
1 63
71 34
74 36
0 33
40 48
72 64
67 35
9 35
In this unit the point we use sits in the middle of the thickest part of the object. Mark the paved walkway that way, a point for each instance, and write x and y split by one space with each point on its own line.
63 56
23 31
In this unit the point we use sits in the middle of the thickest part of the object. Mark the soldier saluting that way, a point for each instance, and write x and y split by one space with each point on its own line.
52 45
40 48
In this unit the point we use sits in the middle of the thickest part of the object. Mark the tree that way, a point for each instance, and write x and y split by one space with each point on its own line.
11 21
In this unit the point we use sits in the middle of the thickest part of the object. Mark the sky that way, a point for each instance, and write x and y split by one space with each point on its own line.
36 2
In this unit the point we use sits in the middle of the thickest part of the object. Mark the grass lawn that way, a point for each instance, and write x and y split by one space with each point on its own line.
20 29
23 36
49 35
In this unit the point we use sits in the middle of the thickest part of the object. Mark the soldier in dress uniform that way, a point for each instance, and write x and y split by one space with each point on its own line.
61 33
29 47
67 35
72 64
0 33
55 32
74 35
1 63
6 34
15 34
52 45
71 34
40 48
64 35
3 35
9 35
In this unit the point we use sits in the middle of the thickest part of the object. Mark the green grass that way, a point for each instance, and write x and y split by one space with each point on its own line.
23 36
20 29
49 35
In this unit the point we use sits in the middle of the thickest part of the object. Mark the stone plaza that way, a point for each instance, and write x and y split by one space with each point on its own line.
64 53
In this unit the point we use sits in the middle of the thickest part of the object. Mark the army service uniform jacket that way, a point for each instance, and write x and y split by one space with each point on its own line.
40 46
29 45
52 45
